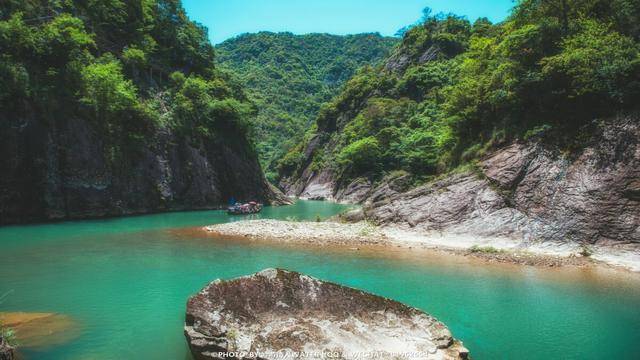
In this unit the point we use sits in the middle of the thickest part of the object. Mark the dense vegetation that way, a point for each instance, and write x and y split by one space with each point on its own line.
289 76
130 68
454 89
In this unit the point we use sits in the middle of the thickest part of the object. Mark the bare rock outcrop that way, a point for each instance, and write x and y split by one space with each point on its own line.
284 312
533 192
63 169
440 205
399 61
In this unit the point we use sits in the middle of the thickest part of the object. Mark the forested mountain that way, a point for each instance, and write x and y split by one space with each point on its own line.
288 76
455 90
115 107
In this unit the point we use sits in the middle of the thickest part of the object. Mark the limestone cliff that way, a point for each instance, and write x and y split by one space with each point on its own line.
61 170
545 158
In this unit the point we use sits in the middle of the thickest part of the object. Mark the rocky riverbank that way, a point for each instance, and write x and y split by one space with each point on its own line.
533 194
493 249
279 314
530 197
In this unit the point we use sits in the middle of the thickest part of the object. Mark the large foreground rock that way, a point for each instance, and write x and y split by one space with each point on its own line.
287 312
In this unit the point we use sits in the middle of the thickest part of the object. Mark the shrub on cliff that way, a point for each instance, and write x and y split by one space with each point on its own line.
360 156
203 106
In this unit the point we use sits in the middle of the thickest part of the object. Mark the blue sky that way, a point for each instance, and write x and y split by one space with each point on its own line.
228 18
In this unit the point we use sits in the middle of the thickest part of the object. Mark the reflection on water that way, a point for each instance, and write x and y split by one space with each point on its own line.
126 282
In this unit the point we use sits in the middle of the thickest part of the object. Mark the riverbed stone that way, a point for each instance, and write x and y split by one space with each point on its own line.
283 311
6 351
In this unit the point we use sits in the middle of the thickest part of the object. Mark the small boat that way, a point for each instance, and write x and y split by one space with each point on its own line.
251 207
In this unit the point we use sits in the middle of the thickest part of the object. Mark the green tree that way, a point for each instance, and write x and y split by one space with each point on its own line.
106 90
360 156
64 38
453 90
596 64
201 109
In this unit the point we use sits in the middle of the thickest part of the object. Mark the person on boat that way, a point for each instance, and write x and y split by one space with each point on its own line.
248 208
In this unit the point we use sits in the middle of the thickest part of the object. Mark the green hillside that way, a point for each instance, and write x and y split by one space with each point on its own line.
288 76
455 89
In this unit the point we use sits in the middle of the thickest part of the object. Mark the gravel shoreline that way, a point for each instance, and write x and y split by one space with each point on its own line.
503 250
302 232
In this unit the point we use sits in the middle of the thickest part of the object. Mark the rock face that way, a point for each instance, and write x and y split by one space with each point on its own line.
58 170
530 191
286 312
533 192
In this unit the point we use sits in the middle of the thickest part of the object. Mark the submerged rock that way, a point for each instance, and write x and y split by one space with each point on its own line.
39 330
284 312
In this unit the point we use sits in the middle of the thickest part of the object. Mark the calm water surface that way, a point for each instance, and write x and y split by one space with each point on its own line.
126 282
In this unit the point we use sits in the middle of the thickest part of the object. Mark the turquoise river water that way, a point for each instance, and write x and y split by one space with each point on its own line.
125 281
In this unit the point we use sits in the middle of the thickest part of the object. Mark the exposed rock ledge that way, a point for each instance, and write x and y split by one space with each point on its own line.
362 233
279 314
530 192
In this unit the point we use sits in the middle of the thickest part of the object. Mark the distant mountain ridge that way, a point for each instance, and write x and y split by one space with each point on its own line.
289 76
